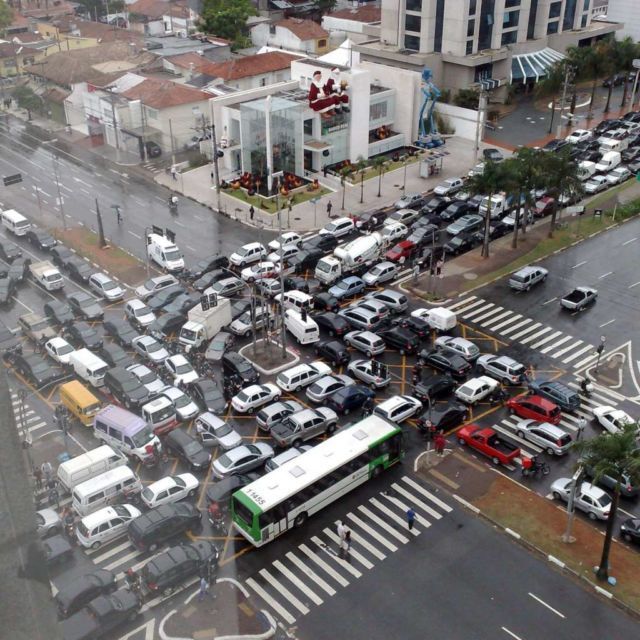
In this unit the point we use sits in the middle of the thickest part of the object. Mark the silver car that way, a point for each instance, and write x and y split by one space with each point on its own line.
155 386
215 432
48 522
395 301
241 459
381 272
226 287
276 412
154 285
595 502
552 439
463 347
363 370
369 343
186 408
321 389
150 348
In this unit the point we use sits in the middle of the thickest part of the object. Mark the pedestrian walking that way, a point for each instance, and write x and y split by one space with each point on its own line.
37 474
252 212
289 205
47 471
329 207
439 443
204 589
411 517
582 423
439 266
118 214
324 170
342 530
345 544
174 172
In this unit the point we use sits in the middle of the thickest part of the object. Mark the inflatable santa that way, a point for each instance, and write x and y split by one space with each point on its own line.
319 100
336 89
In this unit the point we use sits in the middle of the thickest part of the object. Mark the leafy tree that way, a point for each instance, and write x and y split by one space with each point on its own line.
322 7
530 173
227 19
615 455
6 16
27 99
379 163
626 52
467 98
550 85
490 182
345 172
561 177
361 168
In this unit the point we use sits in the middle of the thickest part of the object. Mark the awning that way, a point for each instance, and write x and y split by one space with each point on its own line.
533 66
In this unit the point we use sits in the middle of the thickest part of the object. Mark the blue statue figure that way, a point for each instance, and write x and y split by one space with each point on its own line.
431 94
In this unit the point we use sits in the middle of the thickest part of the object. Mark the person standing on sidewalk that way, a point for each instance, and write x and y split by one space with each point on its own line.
174 172
411 517
439 443
252 212
329 207
204 589
47 471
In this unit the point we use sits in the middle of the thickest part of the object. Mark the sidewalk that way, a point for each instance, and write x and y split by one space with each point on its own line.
197 185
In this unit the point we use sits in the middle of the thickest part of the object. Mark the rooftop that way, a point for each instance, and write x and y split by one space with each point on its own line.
102 32
303 29
160 94
12 49
365 13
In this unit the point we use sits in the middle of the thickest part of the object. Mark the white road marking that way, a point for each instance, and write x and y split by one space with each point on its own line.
86 184
310 573
629 241
506 323
178 224
495 319
372 532
491 313
295 580
513 635
135 235
276 606
400 521
325 567
336 558
543 603
555 344
590 358
23 304
284 592
553 336
578 353
575 266
381 523
466 314
607 323
549 301
635 284
428 494
533 327
516 326
352 552
604 275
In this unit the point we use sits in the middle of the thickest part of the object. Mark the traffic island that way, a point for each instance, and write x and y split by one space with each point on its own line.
225 613
267 357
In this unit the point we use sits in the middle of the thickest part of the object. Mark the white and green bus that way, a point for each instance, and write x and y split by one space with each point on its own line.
288 495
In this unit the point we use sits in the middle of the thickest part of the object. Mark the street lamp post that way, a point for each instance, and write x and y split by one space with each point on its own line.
600 350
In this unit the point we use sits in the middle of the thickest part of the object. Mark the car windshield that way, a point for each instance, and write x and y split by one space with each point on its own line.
109 285
64 349
343 285
181 401
224 461
150 285
192 448
142 311
147 377
172 254
143 437
223 430
243 397
184 368
154 346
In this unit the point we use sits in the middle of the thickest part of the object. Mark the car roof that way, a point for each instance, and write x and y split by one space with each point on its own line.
102 277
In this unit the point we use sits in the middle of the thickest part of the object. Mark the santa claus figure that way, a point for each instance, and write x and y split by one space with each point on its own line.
337 90
319 100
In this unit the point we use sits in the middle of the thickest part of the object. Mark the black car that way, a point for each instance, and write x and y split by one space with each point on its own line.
324 301
435 204
10 343
78 268
9 251
371 220
125 387
84 589
157 301
38 371
451 363
630 530
56 550
404 340
333 351
149 530
332 323
166 325
455 210
85 306
239 307
8 288
208 264
40 238
496 230
188 449
630 155
461 243
58 312
233 364
606 125
222 490
615 80
82 335
101 616
349 398
182 303
208 278
555 145
171 568
427 235
121 331
324 243
492 154
208 395
60 254
416 325
588 145
18 269
590 156
306 285
443 417
434 387
307 258
114 355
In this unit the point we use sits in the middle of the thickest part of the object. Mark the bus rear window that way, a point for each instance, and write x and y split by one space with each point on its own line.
242 512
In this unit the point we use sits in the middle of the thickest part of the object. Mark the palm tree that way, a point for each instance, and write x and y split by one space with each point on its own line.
489 182
530 170
550 85
361 168
607 50
627 52
512 184
345 172
379 163
615 455
561 177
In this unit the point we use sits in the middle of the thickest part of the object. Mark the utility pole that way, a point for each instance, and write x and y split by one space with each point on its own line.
103 242
173 146
568 73
54 159
214 155
115 124
482 106
282 328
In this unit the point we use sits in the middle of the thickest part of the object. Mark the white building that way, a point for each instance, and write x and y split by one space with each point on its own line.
628 13
291 34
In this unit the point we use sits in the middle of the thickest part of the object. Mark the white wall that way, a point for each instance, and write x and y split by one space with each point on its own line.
359 94
464 121
628 13
283 39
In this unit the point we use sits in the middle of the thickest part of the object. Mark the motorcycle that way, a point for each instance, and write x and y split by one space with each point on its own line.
537 469
586 387
216 517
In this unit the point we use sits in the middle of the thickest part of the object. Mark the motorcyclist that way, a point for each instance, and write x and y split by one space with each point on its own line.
132 579
586 387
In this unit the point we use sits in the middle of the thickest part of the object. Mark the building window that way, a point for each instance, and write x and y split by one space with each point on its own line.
272 29
509 37
531 27
412 43
308 127
586 5
437 37
512 3
414 5
510 19
322 44
583 22
552 27
554 9
486 24
469 49
483 72
378 111
472 7
569 15
412 23
471 28
263 82
152 114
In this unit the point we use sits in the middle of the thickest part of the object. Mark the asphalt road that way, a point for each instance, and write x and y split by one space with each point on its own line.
83 177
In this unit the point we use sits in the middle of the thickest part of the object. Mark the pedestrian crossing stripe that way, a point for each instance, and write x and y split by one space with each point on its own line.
293 578
310 573
496 319
352 552
553 346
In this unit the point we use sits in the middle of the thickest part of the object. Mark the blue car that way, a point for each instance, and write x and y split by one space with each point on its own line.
347 287
349 398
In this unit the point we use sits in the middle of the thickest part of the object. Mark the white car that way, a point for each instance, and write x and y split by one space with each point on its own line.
325 386
595 184
618 175
338 228
59 349
283 253
393 232
463 347
138 313
302 375
170 489
476 389
579 135
510 218
106 287
155 386
150 348
448 187
254 396
181 369
288 238
215 432
363 370
241 459
105 524
398 408
259 271
477 170
381 272
186 408
248 253
612 419
589 498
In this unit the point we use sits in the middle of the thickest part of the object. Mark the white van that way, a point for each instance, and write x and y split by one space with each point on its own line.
103 489
15 222
439 318
89 465
586 169
608 162
304 330
106 524
612 144
160 415
88 366
164 252
297 300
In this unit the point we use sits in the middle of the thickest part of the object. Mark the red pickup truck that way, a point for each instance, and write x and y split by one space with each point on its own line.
489 443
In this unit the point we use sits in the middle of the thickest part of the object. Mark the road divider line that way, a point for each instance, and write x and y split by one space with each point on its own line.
513 635
575 266
312 575
544 604
607 323
549 301
604 275
624 244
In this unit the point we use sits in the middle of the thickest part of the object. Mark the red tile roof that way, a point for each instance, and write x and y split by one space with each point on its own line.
303 29
11 50
160 94
358 14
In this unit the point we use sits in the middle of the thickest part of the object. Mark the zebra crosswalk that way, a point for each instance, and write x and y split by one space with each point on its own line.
28 422
314 571
496 319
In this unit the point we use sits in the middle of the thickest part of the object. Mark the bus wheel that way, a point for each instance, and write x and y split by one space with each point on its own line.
376 471
300 519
